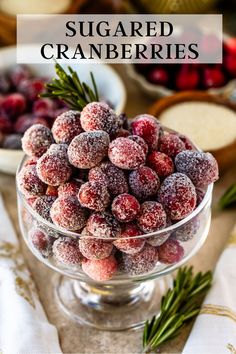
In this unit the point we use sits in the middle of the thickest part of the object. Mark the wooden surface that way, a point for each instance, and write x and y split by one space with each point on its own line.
78 339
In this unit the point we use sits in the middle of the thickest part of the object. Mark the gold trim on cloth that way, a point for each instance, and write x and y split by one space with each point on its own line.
218 310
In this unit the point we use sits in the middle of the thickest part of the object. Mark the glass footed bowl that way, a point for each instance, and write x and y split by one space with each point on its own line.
128 299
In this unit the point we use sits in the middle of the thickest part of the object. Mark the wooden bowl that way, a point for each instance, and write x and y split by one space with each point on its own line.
226 156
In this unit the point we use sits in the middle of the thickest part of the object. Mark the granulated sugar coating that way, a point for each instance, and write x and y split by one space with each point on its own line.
41 242
69 188
99 116
66 212
125 207
144 183
100 270
171 145
103 225
148 128
152 217
93 248
140 141
88 149
141 262
160 163
170 252
66 127
36 140
126 154
178 196
42 206
200 167
29 183
111 176
66 250
127 241
94 195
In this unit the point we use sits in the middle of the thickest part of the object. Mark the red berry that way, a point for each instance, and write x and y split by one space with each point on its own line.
144 183
121 133
69 188
99 116
12 141
187 142
230 64
5 84
23 123
200 167
100 270
29 183
44 107
140 141
148 128
41 241
171 145
19 73
103 225
187 231
230 46
158 76
94 195
66 127
67 213
42 206
178 196
93 248
127 241
36 140
88 149
141 262
126 154
111 176
13 104
160 163
213 77
52 191
6 126
187 79
152 217
170 252
66 251
125 207
31 88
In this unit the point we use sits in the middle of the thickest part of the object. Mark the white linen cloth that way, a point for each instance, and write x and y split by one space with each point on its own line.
214 330
24 328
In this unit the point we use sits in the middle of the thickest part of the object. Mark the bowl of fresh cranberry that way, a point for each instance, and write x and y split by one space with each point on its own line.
112 205
159 80
21 106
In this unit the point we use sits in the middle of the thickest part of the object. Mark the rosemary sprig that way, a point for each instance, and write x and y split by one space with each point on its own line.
178 306
70 89
228 199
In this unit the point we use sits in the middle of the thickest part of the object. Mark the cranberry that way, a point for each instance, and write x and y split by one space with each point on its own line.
170 252
19 73
121 133
88 149
213 77
66 251
94 195
187 78
161 163
141 262
32 88
100 270
23 122
127 241
13 105
6 126
42 206
103 225
141 142
123 121
178 196
41 241
187 231
152 217
148 128
158 76
171 145
43 107
230 64
69 188
36 140
230 46
5 84
12 141
66 127
125 207
93 248
67 213
126 154
200 167
144 183
111 176
187 142
29 183
99 116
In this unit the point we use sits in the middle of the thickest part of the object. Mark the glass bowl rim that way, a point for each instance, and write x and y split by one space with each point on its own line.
170 229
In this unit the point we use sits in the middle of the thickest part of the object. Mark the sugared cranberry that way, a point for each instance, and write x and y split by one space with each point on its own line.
230 45
144 183
148 128
42 206
23 122
66 251
160 238
19 73
200 167
93 248
125 207
152 217
121 133
111 176
66 127
99 116
13 105
103 225
200 194
141 262
31 161
44 107
41 241
69 188
94 195
88 149
127 240
178 196
187 231
66 212
29 183
36 140
6 125
100 270
171 145
123 121
170 252
213 77
158 76
31 88
141 142
230 64
187 142
12 141
187 78
160 163
126 154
